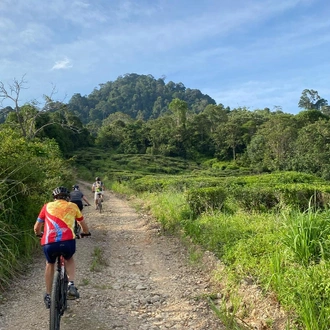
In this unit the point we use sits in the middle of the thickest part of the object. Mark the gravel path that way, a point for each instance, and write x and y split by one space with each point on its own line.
129 277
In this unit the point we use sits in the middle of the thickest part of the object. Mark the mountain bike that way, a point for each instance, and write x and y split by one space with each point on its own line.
58 297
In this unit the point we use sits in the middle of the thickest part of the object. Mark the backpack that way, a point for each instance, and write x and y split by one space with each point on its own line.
98 186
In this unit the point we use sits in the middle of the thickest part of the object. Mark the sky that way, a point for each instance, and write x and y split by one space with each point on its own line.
242 53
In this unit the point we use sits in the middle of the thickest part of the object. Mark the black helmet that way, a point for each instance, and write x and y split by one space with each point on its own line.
75 187
61 193
97 179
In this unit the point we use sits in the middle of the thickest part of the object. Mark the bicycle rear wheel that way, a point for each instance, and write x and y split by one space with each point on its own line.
100 206
55 304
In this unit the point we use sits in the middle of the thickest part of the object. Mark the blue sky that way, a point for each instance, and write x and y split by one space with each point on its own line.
252 53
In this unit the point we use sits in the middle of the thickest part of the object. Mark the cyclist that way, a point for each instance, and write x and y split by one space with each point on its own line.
57 218
76 196
98 189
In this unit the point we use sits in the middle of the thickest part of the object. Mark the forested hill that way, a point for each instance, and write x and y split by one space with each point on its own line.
139 96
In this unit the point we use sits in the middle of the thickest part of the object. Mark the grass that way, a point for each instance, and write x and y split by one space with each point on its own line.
84 282
8 253
227 314
98 260
307 235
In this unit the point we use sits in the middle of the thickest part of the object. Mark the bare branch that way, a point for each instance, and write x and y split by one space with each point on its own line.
27 115
13 94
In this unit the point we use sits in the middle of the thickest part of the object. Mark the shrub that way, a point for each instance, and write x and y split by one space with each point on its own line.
256 198
205 199
303 196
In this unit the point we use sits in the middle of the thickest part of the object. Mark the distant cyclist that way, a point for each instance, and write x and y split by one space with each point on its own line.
98 189
57 219
76 196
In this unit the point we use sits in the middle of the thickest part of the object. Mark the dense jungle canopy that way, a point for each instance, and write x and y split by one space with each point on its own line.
138 114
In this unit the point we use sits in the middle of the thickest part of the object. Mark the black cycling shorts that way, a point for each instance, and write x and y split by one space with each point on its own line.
53 250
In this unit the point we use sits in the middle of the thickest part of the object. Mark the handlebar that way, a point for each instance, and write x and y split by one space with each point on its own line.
81 235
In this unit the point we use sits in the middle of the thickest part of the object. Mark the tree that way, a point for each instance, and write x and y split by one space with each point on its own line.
160 131
27 117
236 131
13 93
229 136
179 108
312 149
277 137
307 117
310 99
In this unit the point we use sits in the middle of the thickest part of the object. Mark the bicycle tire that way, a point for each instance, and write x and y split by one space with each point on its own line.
100 206
64 293
55 308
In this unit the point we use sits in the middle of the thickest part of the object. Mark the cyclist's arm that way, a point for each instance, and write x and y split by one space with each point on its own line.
83 226
40 221
85 199
38 227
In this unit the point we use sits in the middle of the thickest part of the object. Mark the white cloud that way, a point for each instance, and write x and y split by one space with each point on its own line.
81 4
63 64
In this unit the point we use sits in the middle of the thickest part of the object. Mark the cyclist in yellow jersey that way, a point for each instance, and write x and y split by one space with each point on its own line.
57 219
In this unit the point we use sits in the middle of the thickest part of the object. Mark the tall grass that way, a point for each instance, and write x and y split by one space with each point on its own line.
8 252
307 235
169 208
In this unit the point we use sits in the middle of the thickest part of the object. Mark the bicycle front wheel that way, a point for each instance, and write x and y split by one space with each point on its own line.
55 303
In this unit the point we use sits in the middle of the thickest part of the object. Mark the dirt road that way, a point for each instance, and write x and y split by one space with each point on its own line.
129 277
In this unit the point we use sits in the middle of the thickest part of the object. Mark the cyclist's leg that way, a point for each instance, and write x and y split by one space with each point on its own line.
49 272
68 250
49 252
95 199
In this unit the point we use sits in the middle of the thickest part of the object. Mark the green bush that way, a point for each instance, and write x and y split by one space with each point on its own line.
205 199
303 196
256 198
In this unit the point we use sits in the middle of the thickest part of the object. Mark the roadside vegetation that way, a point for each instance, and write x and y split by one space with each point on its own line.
28 172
